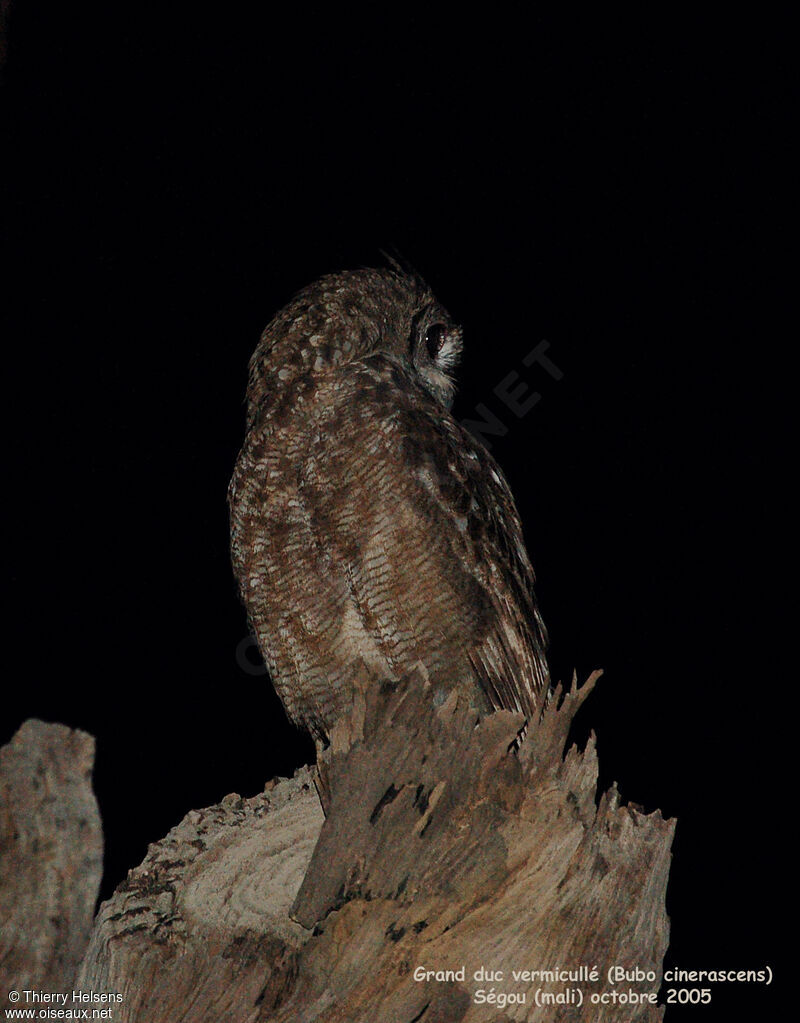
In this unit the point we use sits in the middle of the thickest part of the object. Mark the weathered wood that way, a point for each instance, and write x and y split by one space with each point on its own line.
51 855
444 847
471 856
201 930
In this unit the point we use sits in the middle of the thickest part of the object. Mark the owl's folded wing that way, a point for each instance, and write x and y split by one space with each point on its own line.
413 518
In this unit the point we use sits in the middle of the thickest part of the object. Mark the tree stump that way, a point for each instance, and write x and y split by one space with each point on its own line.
51 857
453 867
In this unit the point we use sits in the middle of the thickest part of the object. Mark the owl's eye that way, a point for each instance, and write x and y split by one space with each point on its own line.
434 339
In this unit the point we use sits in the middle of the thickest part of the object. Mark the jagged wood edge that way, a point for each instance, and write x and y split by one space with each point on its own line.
358 961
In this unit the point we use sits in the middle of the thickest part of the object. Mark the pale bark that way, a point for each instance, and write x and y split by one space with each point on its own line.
51 857
444 847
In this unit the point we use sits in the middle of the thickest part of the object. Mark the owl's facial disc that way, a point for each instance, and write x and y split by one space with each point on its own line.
435 351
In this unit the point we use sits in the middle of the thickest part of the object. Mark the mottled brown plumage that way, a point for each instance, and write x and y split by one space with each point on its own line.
370 532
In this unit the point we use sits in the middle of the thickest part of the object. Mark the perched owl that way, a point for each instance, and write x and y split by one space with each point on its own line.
369 531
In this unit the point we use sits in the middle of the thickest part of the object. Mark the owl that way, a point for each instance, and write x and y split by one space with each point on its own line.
371 533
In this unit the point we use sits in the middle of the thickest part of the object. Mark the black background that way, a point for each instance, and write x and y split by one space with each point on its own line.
171 177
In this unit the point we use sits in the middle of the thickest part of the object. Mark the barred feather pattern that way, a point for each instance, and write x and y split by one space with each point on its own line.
371 533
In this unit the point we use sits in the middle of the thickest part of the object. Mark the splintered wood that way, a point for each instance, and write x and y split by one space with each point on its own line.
458 875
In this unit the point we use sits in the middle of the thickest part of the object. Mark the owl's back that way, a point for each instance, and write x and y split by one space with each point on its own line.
372 533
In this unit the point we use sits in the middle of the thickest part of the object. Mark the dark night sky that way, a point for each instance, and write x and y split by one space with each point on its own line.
170 179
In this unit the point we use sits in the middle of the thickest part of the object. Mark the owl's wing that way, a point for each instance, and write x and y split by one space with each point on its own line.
419 525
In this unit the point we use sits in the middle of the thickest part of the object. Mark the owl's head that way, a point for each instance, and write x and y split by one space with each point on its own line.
349 316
